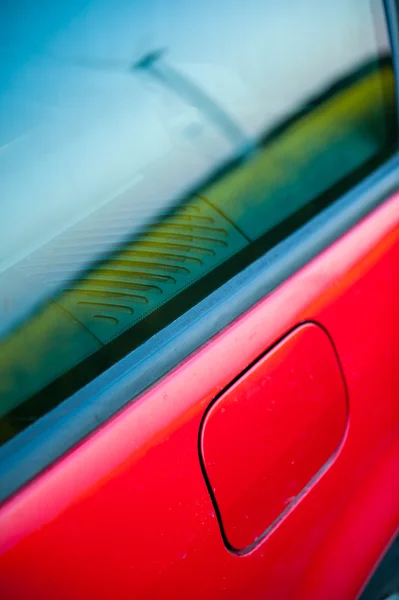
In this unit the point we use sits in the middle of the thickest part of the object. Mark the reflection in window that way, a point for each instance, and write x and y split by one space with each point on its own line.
137 181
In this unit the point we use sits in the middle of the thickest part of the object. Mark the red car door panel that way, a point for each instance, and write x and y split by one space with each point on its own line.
137 520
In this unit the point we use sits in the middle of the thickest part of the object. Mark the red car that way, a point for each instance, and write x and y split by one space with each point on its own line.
199 300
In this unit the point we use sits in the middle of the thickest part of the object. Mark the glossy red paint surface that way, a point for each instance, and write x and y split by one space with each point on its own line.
269 435
127 513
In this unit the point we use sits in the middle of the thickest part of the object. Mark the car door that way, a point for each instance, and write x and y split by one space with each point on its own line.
199 387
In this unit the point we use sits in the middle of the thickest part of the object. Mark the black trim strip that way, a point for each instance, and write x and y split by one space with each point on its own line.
384 582
392 17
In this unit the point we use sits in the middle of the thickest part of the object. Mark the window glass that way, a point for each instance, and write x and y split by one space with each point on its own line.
150 150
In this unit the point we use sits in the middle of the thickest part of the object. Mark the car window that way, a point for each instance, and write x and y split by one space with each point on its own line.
150 151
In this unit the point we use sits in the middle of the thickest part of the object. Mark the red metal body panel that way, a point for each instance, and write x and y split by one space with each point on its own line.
271 433
127 513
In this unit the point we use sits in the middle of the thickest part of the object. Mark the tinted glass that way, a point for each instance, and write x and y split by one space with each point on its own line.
150 151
